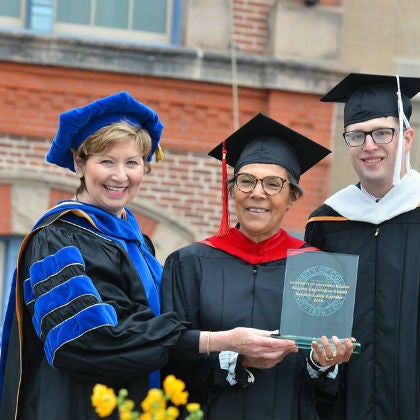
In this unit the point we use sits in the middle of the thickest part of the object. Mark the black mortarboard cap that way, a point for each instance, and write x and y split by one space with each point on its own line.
264 140
368 96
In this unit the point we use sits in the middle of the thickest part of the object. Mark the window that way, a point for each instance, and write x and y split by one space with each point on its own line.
142 20
12 13
155 21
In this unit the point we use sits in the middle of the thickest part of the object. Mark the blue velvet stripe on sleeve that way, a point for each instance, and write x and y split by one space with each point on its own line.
64 300
61 296
43 271
96 316
28 294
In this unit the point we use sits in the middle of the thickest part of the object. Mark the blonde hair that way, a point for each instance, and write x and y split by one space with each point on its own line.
106 137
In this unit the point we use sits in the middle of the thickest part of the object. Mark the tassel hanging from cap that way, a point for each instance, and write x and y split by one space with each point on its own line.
159 155
403 122
224 222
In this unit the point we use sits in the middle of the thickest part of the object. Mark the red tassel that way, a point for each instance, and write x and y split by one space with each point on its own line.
224 223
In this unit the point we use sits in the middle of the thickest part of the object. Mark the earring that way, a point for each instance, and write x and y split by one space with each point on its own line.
80 175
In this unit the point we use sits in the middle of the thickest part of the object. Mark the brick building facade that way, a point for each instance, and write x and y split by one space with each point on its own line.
179 201
222 62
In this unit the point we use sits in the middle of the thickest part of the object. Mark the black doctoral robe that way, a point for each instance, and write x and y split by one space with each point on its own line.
382 383
51 376
216 290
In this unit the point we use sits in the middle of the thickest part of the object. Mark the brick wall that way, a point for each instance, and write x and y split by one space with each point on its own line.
252 23
196 115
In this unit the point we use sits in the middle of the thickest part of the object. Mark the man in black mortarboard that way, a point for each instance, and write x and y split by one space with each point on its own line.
235 278
378 219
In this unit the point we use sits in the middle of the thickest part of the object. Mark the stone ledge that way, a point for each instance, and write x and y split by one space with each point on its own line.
168 61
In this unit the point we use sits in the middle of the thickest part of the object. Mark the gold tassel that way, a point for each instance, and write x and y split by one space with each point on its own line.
159 155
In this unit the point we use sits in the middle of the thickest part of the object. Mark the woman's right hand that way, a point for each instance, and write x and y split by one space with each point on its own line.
259 349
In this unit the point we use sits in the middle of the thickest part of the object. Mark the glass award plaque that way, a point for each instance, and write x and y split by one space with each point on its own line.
318 297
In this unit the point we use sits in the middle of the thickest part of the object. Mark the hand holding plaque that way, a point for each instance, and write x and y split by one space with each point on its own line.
318 297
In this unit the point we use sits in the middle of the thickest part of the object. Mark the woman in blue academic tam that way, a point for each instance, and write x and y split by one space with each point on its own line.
85 307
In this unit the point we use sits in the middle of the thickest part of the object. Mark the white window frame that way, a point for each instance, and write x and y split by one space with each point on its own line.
126 34
11 22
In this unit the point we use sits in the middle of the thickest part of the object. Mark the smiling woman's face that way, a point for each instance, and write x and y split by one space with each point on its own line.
113 178
260 215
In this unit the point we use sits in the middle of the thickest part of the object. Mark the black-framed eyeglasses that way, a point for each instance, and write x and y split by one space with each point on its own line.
379 136
271 185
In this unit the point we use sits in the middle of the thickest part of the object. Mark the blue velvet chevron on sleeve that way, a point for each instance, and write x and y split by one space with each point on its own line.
64 302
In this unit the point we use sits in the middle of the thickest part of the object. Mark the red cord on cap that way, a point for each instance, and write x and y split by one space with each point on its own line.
224 222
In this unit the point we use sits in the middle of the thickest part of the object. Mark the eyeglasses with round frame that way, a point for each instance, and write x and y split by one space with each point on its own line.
271 185
357 138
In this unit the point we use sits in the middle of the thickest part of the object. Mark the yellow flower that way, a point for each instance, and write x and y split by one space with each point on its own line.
154 401
191 407
174 389
161 415
172 413
126 409
195 412
156 415
125 415
153 406
103 400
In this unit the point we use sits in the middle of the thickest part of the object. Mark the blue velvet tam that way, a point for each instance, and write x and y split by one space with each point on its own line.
77 124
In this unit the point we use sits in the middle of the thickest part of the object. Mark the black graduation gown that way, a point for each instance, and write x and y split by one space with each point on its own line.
381 383
217 291
120 356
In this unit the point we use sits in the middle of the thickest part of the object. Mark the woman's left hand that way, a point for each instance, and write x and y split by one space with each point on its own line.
326 355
